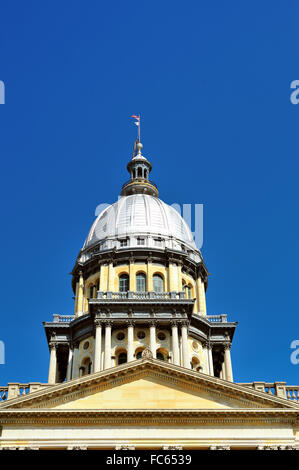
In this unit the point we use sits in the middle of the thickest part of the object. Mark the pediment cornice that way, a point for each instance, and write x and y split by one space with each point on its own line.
168 373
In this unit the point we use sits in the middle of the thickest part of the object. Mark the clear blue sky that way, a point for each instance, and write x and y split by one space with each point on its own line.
212 82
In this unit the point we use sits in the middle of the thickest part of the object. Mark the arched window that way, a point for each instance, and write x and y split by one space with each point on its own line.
139 172
122 358
188 292
158 283
139 353
195 364
160 356
85 367
123 283
140 282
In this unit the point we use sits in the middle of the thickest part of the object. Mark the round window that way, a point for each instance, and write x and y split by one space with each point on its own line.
86 345
120 336
161 336
141 335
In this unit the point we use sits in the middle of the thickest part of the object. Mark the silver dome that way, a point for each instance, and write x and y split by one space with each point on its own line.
140 220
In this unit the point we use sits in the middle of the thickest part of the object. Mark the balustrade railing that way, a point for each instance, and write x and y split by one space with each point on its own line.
62 318
279 389
141 295
217 318
14 390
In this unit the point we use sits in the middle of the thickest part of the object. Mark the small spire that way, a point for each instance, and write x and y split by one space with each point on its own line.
139 168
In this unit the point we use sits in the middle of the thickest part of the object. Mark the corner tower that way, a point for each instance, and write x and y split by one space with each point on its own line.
140 289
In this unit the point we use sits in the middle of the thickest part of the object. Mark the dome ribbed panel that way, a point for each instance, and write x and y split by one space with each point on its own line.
158 217
140 214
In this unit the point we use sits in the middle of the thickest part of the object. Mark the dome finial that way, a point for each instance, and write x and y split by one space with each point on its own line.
139 148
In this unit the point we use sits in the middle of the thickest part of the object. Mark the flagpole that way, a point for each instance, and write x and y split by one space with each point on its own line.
139 127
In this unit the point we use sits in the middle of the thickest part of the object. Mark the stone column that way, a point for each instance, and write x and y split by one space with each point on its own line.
179 276
110 277
206 355
53 364
175 343
75 359
228 363
201 297
130 341
98 346
185 347
149 277
223 376
153 344
81 294
210 355
76 298
103 284
107 358
132 281
172 277
69 365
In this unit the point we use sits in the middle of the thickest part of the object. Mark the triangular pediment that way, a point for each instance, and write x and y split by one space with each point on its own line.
148 384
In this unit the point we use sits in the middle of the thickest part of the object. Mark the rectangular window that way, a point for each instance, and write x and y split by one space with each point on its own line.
158 242
102 246
140 282
124 242
140 241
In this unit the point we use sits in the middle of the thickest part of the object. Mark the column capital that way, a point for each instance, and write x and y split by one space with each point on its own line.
227 346
174 323
98 322
107 323
53 345
131 323
152 323
207 344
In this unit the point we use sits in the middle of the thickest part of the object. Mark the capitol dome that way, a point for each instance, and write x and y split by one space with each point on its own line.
139 219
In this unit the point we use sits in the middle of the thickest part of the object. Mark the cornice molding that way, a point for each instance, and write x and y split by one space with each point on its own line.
169 417
173 374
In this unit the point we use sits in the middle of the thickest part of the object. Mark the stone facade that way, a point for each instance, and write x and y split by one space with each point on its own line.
141 364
